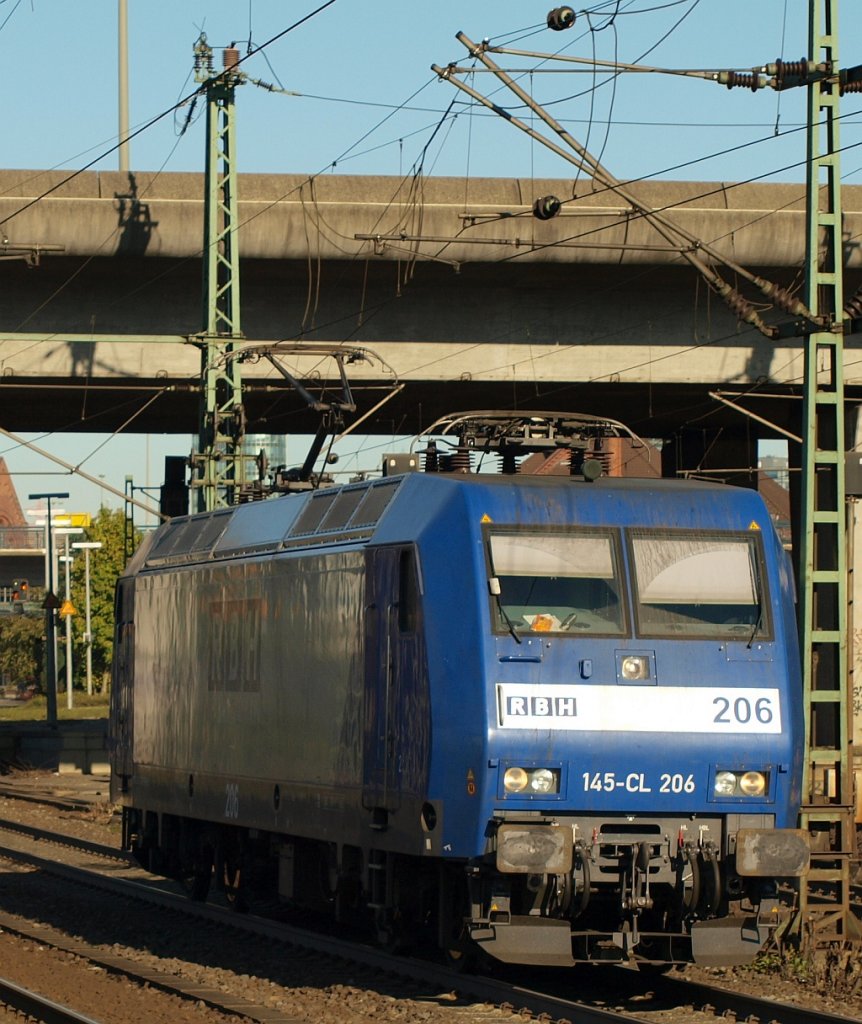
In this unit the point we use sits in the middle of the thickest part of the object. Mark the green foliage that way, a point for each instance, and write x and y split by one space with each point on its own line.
34 710
106 564
21 647
787 962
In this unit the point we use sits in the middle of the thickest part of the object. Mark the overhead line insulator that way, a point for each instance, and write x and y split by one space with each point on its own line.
546 207
850 79
782 297
741 80
853 306
561 18
789 74
743 309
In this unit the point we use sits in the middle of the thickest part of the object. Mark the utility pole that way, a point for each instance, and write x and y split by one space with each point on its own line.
827 790
123 82
218 466
50 605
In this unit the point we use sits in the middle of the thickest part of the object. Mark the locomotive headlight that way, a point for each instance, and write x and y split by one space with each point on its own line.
739 784
752 783
542 781
634 666
515 780
531 781
725 784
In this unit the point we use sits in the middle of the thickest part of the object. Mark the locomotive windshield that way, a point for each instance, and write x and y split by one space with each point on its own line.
557 583
698 585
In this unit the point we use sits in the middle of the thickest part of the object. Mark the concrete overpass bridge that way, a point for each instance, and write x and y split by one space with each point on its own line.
456 288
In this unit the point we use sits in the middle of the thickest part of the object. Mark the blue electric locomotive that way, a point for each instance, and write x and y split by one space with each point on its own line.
558 717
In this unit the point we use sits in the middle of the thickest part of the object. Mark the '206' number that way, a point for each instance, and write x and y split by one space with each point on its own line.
676 783
231 800
741 710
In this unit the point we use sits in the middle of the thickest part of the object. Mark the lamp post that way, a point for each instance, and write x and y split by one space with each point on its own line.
87 547
66 611
50 605
67 560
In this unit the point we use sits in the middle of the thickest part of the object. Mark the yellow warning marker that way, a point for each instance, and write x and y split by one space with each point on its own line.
67 608
486 519
753 526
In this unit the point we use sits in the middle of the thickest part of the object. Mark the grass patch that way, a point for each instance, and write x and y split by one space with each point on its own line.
36 709
788 963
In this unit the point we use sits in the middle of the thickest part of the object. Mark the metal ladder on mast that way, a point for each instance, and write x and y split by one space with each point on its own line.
827 794
219 465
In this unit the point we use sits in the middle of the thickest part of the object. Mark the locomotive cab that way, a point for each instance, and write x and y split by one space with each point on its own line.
641 748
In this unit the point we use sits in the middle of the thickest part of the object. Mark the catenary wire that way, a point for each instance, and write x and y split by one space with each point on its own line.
343 158
158 117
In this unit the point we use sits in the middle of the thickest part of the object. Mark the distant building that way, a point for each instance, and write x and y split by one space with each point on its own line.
777 500
10 508
621 456
776 467
273 446
22 552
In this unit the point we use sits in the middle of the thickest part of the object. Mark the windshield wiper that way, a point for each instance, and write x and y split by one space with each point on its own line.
758 622
507 620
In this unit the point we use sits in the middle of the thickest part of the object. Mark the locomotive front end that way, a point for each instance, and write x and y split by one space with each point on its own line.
643 736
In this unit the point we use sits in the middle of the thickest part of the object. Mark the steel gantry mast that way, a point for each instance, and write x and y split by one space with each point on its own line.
218 465
827 794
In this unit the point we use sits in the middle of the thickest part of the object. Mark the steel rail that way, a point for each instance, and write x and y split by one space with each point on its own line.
169 983
61 839
725 1002
23 1000
13 792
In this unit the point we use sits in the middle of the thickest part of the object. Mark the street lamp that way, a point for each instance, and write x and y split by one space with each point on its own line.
50 605
88 546
40 519
66 611
67 560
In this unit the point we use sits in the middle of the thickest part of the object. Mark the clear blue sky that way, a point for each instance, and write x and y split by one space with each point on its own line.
368 103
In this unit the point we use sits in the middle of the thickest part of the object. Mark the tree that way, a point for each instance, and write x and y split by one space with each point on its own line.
21 649
106 564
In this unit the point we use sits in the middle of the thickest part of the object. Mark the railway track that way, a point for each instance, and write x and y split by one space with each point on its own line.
485 990
62 797
20 1000
61 839
551 1002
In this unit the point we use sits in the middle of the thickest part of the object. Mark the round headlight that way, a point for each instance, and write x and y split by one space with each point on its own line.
515 780
752 783
542 781
725 784
634 668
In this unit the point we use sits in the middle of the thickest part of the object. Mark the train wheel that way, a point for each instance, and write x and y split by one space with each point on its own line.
235 873
460 960
459 952
389 932
234 885
198 874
